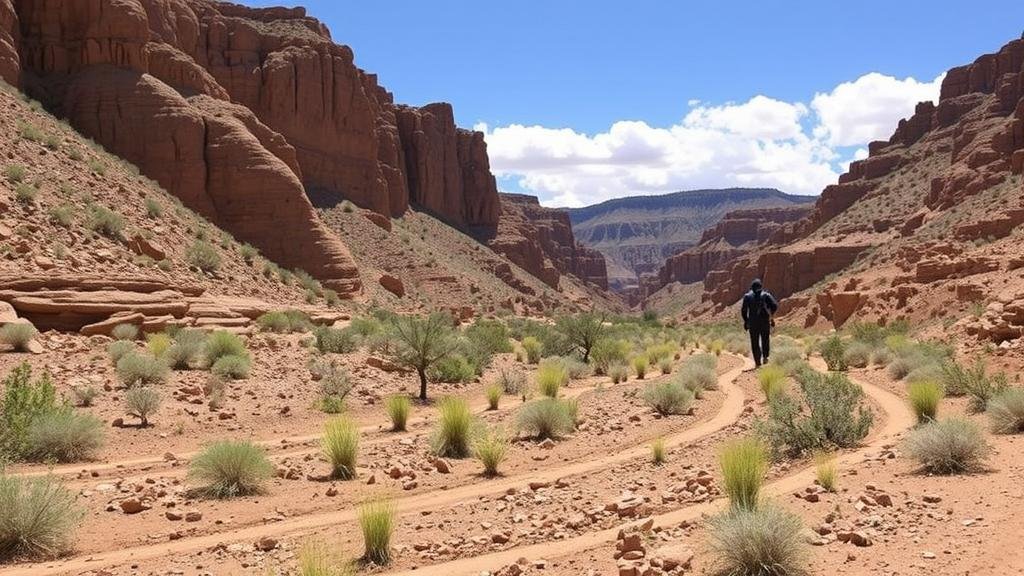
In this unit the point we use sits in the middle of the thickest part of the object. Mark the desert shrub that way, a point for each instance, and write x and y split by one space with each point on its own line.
490 449
17 335
284 321
24 400
84 395
658 451
307 282
125 332
716 346
141 369
187 349
422 342
609 352
744 463
834 415
772 379
63 435
766 541
158 344
882 357
318 559
154 209
665 366
377 523
668 398
532 347
493 393
455 368
547 418
37 517
857 354
340 444
924 399
619 373
1006 411
15 173
230 468
142 402
398 408
119 349
232 367
575 368
222 343
105 221
696 377
551 376
25 193
451 437
489 335
62 215
512 381
640 366
335 340
974 381
825 471
203 255
335 385
948 446
581 331
833 350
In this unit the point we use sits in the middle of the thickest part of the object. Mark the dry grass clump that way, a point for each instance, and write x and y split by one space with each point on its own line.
142 402
1006 411
231 468
17 335
547 418
551 376
377 522
398 408
37 517
452 435
340 444
949 446
744 463
764 541
668 398
924 397
490 449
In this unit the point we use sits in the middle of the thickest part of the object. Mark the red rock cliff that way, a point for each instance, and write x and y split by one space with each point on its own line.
239 110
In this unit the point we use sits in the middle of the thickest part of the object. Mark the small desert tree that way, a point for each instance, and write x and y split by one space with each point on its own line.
582 331
422 343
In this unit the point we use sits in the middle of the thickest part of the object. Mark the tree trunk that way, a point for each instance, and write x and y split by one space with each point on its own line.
423 383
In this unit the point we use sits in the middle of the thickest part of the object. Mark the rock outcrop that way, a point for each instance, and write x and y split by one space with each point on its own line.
540 240
240 111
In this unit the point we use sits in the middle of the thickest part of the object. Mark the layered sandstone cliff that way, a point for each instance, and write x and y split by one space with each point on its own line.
540 240
239 111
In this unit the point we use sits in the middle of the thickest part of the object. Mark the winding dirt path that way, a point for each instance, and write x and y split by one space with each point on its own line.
898 418
730 411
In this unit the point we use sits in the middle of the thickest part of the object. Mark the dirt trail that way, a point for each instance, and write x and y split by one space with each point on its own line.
731 410
898 418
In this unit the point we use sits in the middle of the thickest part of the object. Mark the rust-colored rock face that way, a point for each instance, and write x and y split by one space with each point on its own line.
239 111
540 241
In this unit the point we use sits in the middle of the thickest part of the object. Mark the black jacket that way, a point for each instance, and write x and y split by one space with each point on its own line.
750 308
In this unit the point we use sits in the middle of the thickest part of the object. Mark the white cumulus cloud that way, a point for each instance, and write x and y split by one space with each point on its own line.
761 142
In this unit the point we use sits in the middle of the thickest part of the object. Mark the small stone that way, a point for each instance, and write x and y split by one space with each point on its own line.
266 544
133 506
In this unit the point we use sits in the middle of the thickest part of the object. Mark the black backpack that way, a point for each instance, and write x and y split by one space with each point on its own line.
759 306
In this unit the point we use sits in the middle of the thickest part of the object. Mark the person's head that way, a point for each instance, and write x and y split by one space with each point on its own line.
756 285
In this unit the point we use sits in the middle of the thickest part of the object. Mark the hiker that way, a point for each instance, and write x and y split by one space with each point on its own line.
758 312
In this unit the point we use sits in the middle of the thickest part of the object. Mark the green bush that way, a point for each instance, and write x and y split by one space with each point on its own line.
222 343
37 518
64 435
974 381
187 349
398 408
63 215
668 398
949 446
1006 411
857 354
619 373
158 344
924 400
203 255
15 173
340 445
697 377
105 221
377 523
452 436
335 385
142 402
335 340
764 541
452 369
532 347
154 209
119 349
609 352
581 332
547 418
17 335
551 376
640 366
772 379
284 321
833 350
490 449
125 332
232 367
490 335
744 464
230 468
141 369
493 393
25 400
834 417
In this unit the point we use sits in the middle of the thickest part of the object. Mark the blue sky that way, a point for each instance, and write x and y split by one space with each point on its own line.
586 66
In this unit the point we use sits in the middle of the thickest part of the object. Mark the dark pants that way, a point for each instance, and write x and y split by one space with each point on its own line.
760 343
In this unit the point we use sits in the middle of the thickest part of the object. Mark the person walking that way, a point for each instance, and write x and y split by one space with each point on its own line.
758 312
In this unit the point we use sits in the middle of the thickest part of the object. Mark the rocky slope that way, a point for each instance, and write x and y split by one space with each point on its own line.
248 113
927 228
637 234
